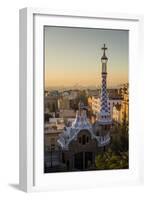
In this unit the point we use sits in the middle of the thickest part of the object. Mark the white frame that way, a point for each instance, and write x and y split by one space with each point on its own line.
31 99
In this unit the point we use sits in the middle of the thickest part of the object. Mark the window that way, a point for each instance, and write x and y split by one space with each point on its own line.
87 139
80 140
52 144
52 147
83 139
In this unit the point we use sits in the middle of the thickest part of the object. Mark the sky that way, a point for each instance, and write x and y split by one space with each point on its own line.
73 56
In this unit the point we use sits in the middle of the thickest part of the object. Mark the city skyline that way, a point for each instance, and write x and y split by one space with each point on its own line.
73 56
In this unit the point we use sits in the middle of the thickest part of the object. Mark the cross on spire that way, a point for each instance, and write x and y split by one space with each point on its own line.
104 48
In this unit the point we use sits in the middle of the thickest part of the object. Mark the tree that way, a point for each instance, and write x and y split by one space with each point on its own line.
116 157
111 160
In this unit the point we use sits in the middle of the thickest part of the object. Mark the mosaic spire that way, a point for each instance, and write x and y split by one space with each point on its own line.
104 111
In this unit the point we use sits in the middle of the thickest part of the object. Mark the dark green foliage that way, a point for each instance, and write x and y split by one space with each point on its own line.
111 160
116 157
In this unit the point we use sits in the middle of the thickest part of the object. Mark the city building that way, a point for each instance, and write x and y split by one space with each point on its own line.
67 113
67 103
94 92
52 155
117 114
52 129
50 104
68 100
121 110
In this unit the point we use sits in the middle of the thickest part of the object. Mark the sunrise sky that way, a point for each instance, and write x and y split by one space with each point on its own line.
73 56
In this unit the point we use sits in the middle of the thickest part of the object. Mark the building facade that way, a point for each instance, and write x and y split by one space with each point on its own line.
50 104
121 111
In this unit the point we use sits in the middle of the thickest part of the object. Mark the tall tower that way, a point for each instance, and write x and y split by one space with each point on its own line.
104 121
105 117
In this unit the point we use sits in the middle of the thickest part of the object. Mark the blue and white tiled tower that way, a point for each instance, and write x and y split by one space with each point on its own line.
105 117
